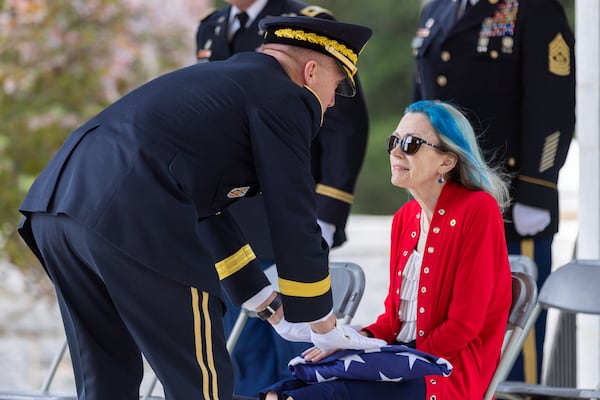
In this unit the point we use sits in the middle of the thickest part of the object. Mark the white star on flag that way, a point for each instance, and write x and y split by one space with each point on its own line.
350 358
412 358
321 379
386 379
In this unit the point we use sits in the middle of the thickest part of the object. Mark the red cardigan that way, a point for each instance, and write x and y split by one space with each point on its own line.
464 288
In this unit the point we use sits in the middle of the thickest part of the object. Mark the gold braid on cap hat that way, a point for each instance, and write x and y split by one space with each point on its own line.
348 57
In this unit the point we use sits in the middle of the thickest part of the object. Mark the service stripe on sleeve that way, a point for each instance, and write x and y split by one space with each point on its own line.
335 193
235 262
303 289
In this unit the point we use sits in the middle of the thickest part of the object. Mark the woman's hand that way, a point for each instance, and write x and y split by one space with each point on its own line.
315 354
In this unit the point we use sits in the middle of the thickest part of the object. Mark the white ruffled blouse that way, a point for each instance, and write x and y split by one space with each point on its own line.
408 298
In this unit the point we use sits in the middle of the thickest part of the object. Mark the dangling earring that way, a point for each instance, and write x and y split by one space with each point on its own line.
441 179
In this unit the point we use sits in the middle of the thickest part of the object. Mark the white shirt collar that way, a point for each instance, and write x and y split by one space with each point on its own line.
252 12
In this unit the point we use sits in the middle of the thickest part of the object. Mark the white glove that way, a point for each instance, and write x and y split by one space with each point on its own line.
327 231
293 332
344 337
530 220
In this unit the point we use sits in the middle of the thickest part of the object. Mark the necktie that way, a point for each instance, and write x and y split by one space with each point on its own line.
462 9
242 17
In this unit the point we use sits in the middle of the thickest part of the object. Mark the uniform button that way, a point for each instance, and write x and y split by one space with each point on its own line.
426 270
441 211
512 162
452 222
413 234
494 54
422 310
421 333
405 253
423 289
445 56
436 229
430 250
442 80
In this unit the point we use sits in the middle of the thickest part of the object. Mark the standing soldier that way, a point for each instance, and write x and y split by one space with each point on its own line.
511 66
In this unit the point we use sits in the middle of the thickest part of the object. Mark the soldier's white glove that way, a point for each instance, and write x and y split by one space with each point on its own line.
344 337
327 231
293 332
529 220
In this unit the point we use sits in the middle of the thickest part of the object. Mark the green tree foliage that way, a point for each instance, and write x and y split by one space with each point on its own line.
385 70
61 61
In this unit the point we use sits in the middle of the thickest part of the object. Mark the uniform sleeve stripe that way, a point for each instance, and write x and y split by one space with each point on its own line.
537 181
335 193
235 262
302 289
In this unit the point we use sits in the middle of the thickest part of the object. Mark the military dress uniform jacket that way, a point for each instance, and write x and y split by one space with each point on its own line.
339 150
510 64
181 149
463 297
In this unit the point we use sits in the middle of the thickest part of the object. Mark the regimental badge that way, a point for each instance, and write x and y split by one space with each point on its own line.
559 56
238 192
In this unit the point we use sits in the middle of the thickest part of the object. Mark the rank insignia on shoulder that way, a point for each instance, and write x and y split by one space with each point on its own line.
238 192
559 58
312 11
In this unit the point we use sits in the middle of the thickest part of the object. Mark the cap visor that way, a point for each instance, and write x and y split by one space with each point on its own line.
346 87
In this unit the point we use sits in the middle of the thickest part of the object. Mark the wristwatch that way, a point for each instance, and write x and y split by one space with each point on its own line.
271 309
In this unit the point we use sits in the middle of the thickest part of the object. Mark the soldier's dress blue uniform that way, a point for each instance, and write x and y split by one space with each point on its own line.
511 65
114 218
261 356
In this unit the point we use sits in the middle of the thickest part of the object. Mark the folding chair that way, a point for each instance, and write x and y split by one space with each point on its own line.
524 294
521 263
347 287
44 392
572 288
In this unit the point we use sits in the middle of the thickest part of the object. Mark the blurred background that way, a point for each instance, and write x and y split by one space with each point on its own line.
62 61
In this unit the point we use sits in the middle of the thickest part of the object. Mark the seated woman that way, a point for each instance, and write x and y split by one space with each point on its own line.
450 281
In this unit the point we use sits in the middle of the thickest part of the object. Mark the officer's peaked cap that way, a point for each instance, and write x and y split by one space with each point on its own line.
342 41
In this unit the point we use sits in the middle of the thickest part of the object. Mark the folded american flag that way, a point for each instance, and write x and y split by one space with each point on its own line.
393 363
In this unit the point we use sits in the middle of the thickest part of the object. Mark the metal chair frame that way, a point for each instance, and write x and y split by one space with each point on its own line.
571 288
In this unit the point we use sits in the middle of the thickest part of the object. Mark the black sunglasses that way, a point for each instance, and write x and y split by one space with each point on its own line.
409 144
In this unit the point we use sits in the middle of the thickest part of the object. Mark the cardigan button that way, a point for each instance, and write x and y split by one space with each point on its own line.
405 253
423 289
441 211
397 291
421 333
422 310
452 222
436 229
433 397
430 250
433 381
426 270
413 234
